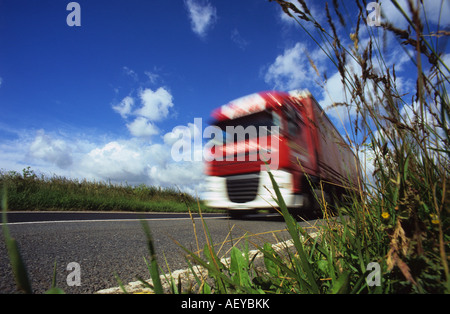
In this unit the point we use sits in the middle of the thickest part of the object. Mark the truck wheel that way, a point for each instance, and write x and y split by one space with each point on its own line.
308 210
313 205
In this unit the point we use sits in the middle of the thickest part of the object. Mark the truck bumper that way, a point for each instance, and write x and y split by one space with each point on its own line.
251 191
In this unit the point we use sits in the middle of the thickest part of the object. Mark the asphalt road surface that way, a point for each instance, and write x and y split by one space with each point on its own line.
104 244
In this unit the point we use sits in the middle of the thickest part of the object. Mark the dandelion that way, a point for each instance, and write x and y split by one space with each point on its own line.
385 215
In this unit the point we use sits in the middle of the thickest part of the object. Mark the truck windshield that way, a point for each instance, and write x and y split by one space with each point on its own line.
248 127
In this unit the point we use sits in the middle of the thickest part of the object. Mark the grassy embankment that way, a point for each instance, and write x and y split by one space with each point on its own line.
29 191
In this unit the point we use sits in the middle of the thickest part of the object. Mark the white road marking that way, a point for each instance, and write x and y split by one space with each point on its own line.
107 220
186 274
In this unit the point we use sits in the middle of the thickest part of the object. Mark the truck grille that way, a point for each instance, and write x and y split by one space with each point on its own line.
242 188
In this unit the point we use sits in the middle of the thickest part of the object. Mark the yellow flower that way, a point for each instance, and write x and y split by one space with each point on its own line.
385 215
434 219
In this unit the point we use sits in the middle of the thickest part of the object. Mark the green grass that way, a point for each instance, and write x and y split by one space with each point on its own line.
28 191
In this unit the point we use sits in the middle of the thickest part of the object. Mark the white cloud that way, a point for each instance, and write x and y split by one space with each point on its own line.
155 104
51 150
152 76
130 73
185 142
142 127
317 12
115 161
137 162
125 106
171 137
334 91
102 158
292 69
434 10
185 173
446 59
15 154
154 107
202 16
237 38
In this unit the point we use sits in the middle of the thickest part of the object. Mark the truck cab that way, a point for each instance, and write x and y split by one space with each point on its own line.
280 131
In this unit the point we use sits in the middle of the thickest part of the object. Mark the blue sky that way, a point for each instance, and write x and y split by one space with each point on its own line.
100 101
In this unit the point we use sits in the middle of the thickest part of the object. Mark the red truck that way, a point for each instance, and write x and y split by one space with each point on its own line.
288 132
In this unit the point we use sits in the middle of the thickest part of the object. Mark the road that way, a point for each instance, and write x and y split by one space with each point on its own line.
107 243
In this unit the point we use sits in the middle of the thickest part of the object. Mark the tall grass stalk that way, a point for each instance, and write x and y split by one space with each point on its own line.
18 267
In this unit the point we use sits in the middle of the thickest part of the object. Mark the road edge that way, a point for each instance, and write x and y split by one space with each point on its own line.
136 287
